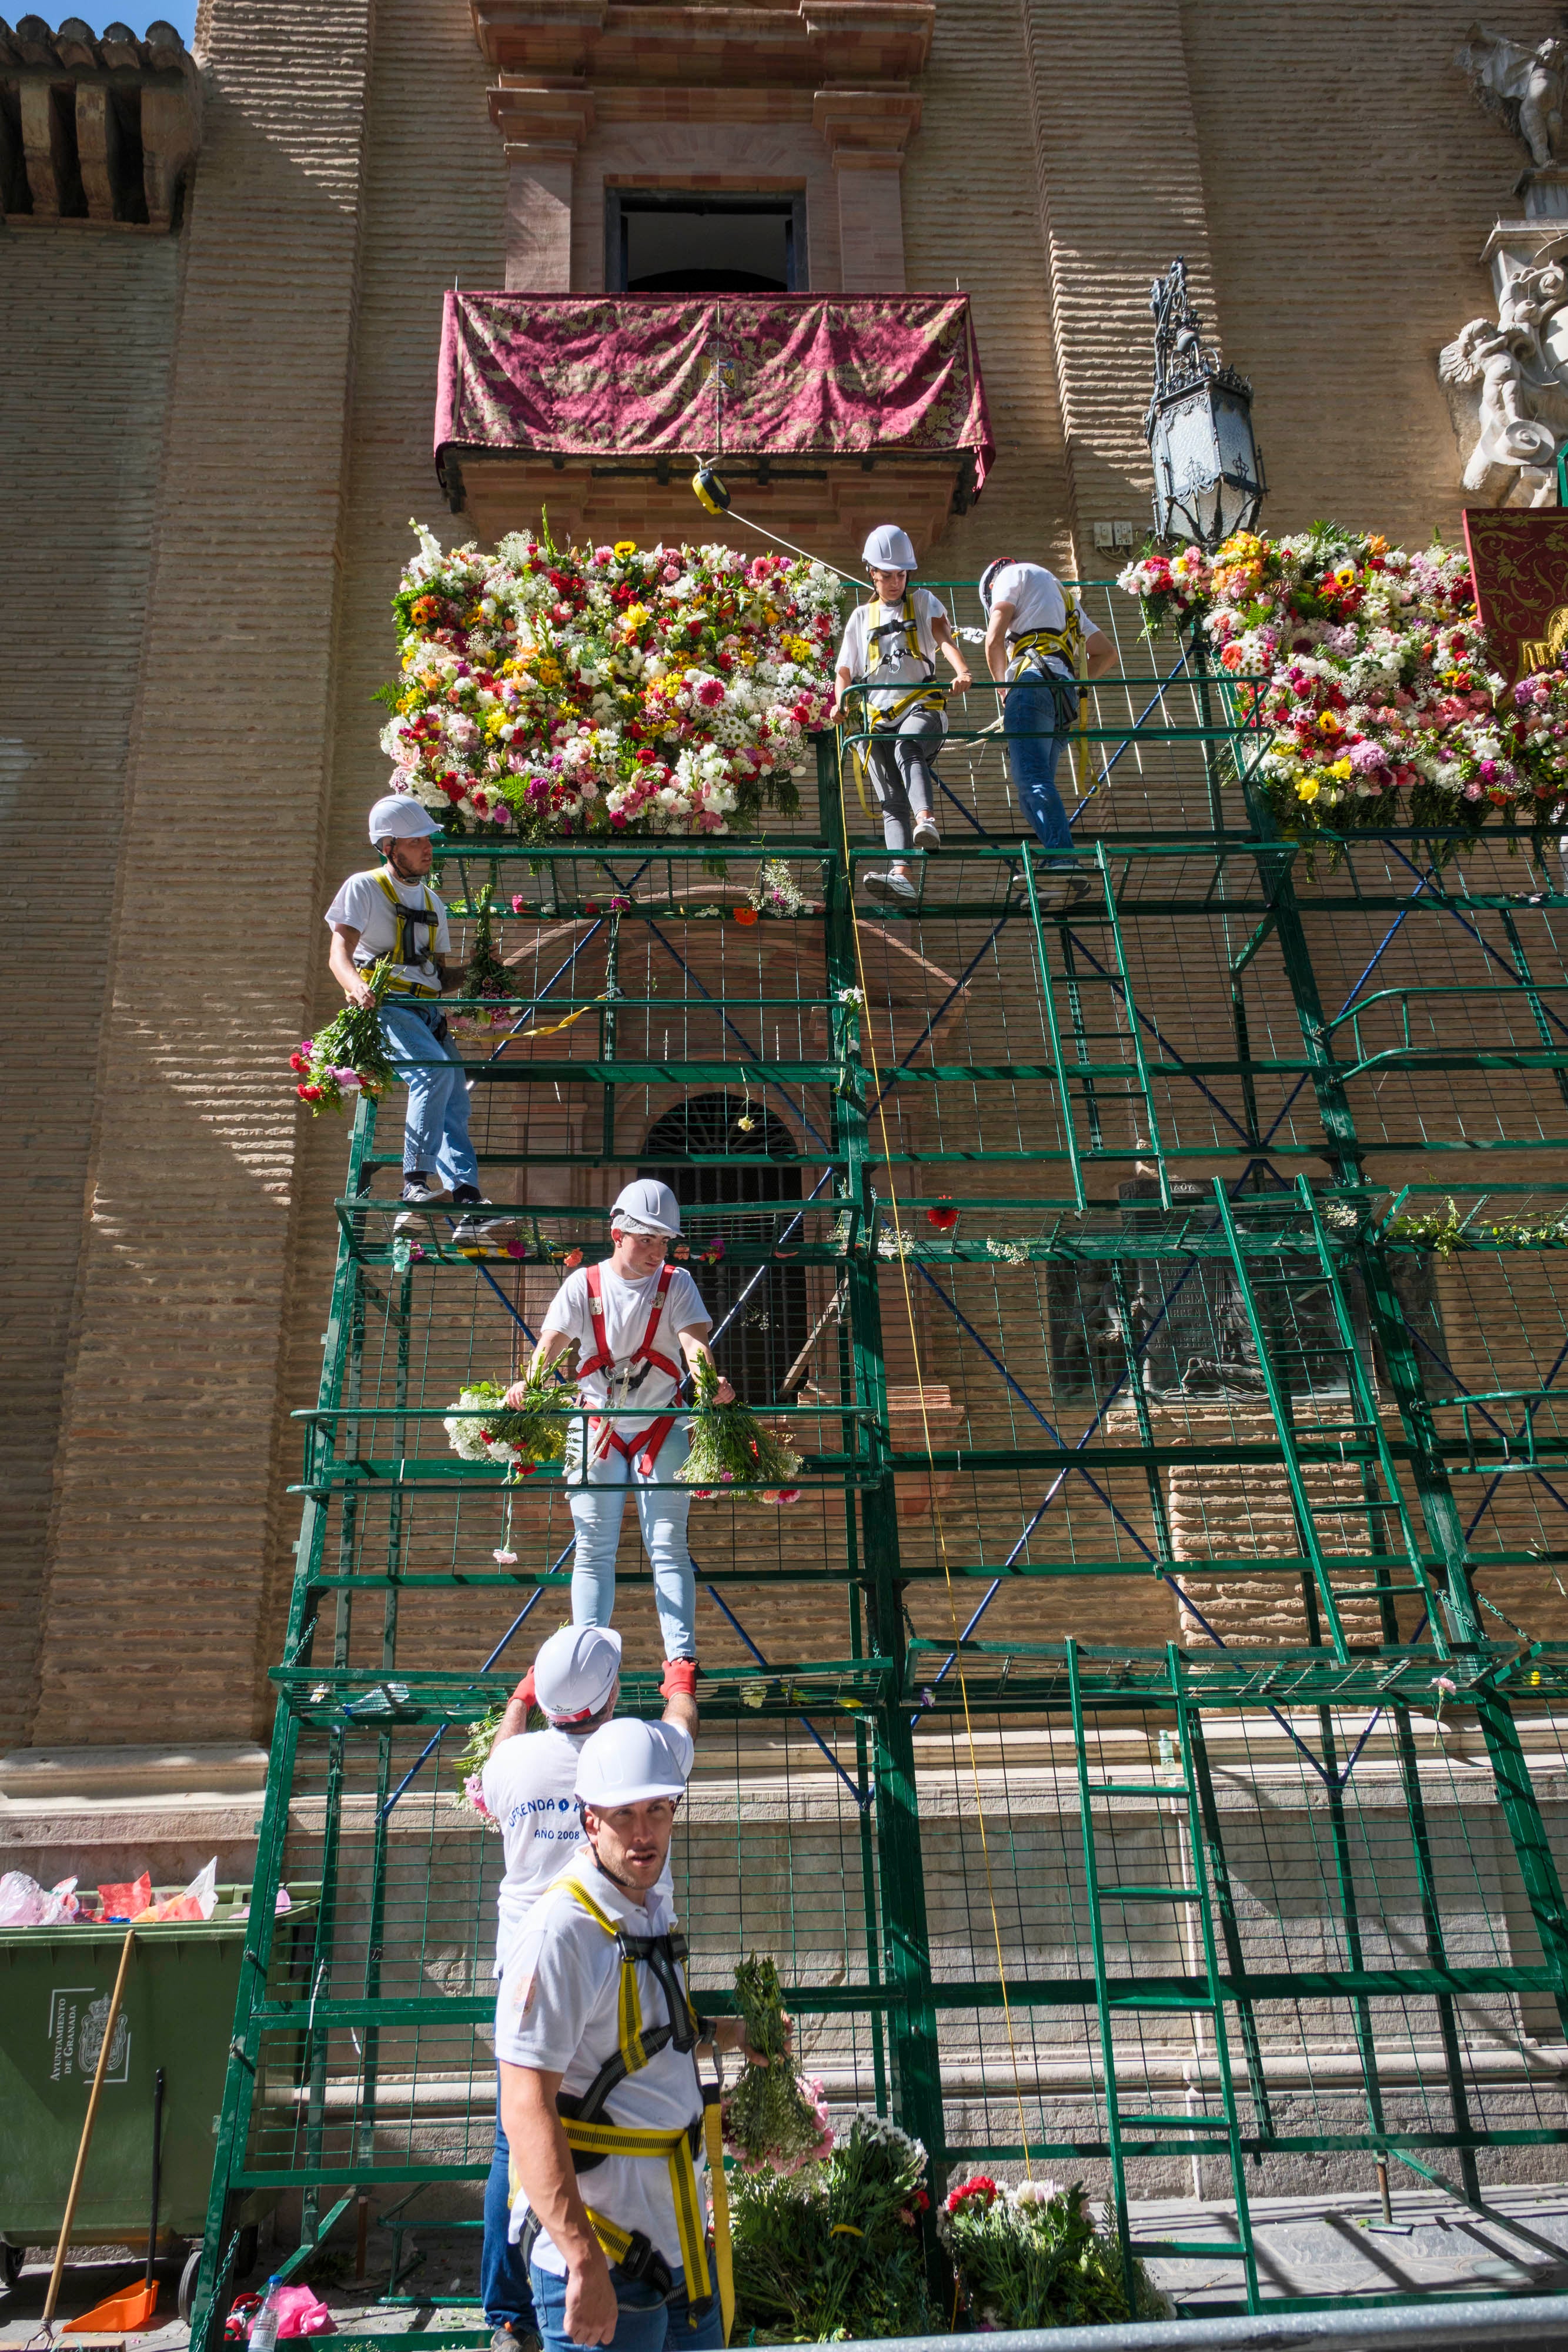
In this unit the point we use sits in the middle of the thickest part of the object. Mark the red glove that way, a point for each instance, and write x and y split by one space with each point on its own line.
680 1678
526 1691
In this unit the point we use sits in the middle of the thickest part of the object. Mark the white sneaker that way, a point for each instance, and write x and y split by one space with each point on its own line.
897 887
472 1229
1055 888
418 1198
926 833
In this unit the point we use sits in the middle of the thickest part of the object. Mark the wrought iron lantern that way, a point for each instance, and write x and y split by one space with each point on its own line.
1209 470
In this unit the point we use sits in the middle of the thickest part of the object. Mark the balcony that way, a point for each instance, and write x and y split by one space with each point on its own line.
837 413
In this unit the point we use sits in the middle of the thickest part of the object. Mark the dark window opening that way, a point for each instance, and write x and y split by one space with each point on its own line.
678 243
769 1325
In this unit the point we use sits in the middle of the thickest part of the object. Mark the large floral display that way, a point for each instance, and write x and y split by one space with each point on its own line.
1368 672
600 690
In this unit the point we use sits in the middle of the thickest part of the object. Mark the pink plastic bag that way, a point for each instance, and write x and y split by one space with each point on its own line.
301 2312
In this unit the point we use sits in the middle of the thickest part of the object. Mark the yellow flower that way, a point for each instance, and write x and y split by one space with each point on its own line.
1307 788
493 724
1344 574
632 618
624 547
1340 769
1330 723
407 702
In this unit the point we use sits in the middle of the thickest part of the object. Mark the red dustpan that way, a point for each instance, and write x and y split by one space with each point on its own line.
134 2306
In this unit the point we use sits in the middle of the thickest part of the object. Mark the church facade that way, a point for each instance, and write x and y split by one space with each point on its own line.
225 279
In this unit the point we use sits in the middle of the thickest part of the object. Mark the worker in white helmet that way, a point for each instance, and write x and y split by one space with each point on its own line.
392 910
1039 642
605 2123
891 645
633 1317
529 1787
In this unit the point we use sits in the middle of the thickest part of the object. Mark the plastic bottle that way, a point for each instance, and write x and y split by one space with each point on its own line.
264 2326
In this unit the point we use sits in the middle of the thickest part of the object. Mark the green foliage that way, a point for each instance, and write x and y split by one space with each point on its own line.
485 974
834 2252
730 1447
1031 2257
349 1056
767 2118
1445 1231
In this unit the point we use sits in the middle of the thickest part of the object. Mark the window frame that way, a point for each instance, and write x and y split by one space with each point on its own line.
621 203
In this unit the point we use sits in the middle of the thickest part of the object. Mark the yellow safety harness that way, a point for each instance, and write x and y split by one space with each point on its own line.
886 719
592 2135
409 948
1032 652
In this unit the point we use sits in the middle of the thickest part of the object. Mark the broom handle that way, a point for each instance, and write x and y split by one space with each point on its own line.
91 2118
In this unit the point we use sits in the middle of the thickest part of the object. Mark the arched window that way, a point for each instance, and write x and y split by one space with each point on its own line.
767 1332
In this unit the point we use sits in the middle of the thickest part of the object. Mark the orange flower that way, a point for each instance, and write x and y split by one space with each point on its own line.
746 915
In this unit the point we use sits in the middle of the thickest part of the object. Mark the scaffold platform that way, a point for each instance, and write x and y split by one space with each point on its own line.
1142 1745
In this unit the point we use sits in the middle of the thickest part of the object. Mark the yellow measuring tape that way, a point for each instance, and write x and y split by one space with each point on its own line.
936 1500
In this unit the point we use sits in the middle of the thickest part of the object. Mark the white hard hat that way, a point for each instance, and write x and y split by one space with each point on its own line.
575 1670
645 1207
628 1763
398 817
890 549
1000 563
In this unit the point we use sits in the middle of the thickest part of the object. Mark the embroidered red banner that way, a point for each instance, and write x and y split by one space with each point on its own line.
585 375
1519 558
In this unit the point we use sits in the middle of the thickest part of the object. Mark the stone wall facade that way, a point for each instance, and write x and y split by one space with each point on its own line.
215 439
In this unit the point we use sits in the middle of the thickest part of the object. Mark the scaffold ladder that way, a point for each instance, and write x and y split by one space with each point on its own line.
1303 1366
1142 2131
1099 1058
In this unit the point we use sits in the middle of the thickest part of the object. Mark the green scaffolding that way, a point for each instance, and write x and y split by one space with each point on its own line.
1097 1259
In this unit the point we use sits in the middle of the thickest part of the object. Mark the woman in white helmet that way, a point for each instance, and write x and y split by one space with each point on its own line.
392 910
890 646
633 1317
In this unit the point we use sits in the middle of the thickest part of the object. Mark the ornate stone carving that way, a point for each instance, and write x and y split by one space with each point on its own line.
1506 382
1525 86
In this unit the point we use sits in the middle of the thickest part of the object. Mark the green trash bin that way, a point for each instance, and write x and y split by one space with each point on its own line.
177 2012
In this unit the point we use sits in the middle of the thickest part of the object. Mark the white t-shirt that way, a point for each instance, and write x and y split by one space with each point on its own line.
362 903
528 1783
1039 601
892 661
627 1306
557 2011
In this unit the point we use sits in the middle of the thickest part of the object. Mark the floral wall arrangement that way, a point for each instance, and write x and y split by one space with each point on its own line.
1369 673
545 694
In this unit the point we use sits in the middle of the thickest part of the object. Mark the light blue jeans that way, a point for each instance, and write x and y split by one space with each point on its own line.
1028 721
596 1510
645 2323
435 1126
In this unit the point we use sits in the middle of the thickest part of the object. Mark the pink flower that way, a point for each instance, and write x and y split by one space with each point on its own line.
503 1558
474 1790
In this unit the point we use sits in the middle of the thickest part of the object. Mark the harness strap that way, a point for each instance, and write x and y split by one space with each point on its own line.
404 947
654 1434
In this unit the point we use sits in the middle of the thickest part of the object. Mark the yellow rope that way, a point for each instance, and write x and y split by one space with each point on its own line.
870 1057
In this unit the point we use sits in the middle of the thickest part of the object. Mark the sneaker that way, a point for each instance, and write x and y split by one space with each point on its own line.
894 889
1058 888
418 1194
470 1230
926 833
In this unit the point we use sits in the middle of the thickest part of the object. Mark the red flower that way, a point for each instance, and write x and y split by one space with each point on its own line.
299 1062
981 2192
746 916
591 906
944 1218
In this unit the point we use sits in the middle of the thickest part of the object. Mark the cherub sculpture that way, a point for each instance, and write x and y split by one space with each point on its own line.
1526 86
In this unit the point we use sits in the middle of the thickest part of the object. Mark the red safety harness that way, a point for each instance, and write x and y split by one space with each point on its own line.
644 1352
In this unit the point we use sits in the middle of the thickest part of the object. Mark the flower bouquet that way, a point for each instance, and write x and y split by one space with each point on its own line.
729 1445
773 2120
523 1437
1031 2257
471 1762
484 976
774 891
545 693
1369 673
349 1056
835 2251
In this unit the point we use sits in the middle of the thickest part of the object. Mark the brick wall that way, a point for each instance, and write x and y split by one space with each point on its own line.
87 330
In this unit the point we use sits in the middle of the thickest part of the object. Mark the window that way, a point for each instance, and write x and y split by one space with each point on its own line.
769 1331
677 242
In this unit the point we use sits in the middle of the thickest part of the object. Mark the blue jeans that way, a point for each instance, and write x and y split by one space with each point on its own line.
503 2273
645 2323
435 1127
596 1510
1028 721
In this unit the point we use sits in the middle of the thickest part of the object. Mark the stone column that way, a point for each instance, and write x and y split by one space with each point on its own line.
542 125
866 131
164 1483
1120 194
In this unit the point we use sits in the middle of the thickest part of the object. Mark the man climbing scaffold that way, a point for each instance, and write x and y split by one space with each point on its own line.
529 1786
597 2042
1038 644
392 910
629 1317
891 645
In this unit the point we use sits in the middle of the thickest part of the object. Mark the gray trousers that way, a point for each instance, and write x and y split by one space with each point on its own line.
899 767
